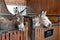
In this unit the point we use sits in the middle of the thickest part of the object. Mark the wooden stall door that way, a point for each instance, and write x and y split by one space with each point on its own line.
14 35
15 2
59 31
39 33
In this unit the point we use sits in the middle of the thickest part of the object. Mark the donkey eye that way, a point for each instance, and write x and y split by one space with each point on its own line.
43 19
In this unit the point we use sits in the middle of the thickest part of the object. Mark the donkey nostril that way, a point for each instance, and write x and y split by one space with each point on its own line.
49 25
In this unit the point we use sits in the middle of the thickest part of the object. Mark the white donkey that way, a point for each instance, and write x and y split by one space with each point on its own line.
45 20
42 19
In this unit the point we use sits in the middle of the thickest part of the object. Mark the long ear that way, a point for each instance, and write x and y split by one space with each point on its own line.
39 15
45 12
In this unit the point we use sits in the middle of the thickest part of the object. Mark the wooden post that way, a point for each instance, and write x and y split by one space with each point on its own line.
15 35
3 36
11 36
19 35
7 36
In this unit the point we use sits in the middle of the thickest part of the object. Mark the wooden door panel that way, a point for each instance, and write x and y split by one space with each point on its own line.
16 2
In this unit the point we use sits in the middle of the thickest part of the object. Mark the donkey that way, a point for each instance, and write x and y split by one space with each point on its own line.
16 22
7 20
36 21
9 23
42 19
20 20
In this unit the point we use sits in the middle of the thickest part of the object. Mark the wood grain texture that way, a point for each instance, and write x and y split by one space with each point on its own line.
54 20
34 6
7 36
15 2
39 33
59 32
15 35
58 6
3 36
29 28
38 5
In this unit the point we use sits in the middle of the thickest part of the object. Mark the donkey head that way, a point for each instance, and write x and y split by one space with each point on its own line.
45 20
20 20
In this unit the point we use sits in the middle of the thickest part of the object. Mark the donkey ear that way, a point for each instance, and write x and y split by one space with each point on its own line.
39 15
45 12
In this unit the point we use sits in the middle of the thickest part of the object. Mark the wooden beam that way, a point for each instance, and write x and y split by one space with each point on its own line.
54 15
51 15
